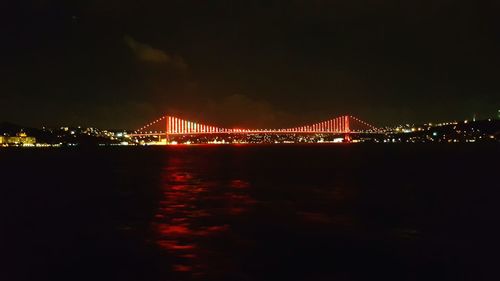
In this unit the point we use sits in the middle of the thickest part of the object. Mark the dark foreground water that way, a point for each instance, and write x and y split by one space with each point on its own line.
326 212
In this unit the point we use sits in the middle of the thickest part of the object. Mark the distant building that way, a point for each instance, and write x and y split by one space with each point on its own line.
19 139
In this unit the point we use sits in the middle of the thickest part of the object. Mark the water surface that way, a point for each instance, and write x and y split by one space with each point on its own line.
278 212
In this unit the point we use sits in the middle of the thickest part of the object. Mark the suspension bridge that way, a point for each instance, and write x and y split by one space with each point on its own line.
170 125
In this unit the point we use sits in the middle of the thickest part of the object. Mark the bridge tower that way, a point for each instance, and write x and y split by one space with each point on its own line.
167 127
347 130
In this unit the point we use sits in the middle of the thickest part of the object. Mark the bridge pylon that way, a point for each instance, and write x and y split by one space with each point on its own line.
167 128
347 129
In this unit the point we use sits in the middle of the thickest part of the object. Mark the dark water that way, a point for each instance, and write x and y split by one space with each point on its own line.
327 212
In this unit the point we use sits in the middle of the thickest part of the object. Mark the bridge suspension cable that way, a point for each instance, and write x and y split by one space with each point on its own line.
171 125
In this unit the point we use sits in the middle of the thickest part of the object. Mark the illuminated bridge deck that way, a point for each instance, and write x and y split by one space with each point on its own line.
169 125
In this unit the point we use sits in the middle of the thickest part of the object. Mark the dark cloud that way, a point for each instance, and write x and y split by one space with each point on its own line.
243 111
251 63
146 53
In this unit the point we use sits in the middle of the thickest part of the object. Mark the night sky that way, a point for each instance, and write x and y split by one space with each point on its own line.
260 63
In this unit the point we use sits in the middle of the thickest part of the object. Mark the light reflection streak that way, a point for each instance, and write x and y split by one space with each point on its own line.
193 213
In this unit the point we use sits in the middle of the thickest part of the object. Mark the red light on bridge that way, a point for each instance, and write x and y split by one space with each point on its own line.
174 125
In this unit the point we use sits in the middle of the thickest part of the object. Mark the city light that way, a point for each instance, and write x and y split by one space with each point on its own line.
169 130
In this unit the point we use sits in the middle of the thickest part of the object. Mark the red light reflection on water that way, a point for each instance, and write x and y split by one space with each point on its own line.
173 245
174 230
182 268
239 184
195 211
